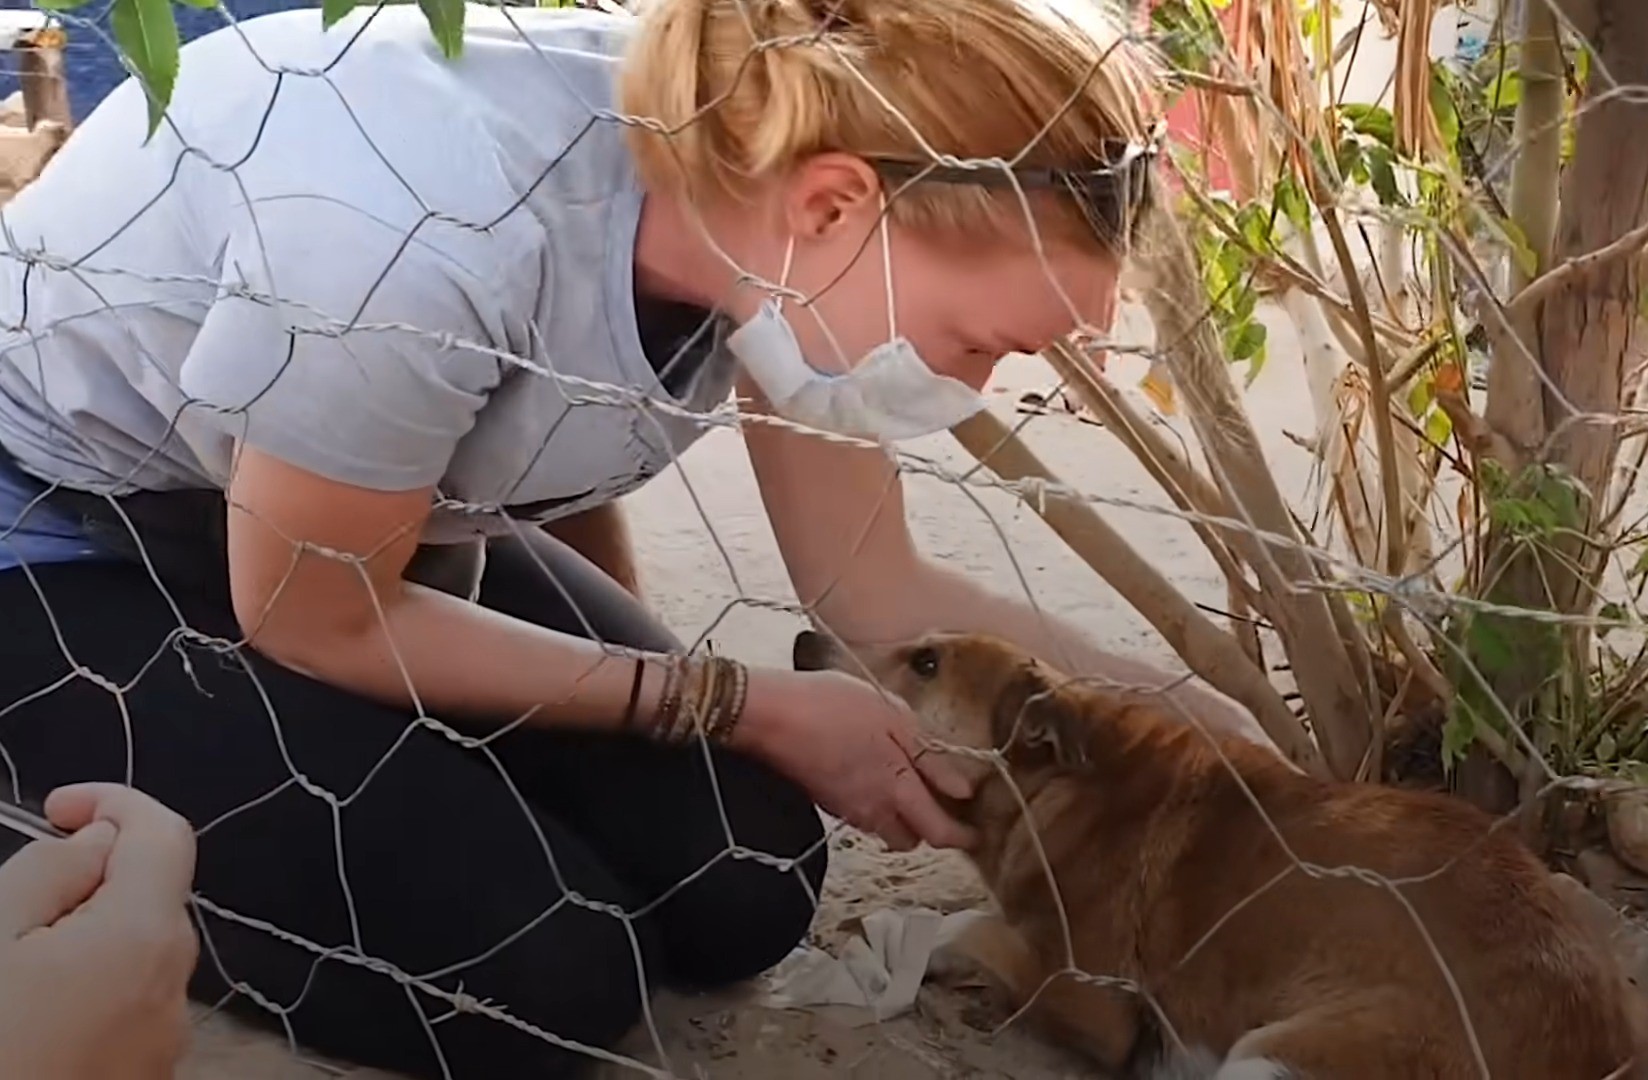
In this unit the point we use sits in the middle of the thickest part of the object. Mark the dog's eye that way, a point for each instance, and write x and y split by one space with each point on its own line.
924 662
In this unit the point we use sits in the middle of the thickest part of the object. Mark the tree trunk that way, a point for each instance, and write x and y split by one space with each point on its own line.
1587 324
1560 417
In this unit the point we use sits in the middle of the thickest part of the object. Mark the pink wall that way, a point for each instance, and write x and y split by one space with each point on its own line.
1184 119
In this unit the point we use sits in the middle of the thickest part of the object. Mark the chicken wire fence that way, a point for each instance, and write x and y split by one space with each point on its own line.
435 995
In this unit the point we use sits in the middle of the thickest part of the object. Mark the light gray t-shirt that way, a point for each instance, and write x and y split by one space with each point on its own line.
405 271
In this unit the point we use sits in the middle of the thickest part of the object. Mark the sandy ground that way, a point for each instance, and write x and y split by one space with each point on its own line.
996 540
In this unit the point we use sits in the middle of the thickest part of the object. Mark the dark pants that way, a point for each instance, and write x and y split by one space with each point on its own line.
559 876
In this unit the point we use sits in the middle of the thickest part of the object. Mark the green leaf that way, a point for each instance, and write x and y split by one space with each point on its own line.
1310 24
1255 364
1641 566
1233 261
1457 735
446 22
1382 172
1374 121
1487 644
1254 221
1250 340
1447 117
1505 91
59 5
1349 157
146 31
333 10
1421 396
1438 428
1291 201
204 5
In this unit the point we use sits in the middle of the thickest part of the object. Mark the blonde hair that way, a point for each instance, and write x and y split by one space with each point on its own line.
734 92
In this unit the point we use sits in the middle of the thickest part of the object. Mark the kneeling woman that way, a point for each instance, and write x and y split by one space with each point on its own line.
371 295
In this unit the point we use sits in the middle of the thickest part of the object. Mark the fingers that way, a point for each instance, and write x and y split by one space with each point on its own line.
153 859
917 807
895 835
50 878
922 814
942 774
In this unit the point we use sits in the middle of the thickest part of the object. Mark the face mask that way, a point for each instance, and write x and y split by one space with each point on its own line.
890 395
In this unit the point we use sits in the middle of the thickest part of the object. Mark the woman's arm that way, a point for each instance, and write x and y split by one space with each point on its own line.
334 606
838 514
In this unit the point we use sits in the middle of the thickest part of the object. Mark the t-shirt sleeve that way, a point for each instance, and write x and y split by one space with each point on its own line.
343 347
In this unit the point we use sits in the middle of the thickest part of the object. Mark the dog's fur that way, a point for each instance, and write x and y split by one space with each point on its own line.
1171 878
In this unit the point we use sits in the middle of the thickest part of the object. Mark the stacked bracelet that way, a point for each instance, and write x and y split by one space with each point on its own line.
702 696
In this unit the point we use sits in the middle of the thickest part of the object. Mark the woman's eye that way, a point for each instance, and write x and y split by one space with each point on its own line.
924 662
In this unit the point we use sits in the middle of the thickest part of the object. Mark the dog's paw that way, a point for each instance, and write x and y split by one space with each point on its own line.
978 949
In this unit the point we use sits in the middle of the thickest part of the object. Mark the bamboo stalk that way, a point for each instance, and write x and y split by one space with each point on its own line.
1515 407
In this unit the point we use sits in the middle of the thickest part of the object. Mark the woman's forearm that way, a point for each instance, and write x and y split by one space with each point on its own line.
432 651
453 659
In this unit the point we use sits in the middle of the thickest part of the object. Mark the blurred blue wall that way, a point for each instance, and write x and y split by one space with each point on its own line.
90 62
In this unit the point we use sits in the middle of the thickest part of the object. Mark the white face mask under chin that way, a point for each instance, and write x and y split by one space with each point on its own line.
890 395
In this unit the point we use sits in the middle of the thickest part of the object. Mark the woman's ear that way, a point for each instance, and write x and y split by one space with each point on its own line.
828 192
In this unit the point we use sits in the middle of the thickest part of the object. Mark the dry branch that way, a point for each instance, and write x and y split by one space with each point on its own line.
1323 666
1188 488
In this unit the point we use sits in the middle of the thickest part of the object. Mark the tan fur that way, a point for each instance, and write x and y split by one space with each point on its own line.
1171 878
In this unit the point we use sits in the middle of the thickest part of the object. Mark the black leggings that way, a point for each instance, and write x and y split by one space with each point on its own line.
556 875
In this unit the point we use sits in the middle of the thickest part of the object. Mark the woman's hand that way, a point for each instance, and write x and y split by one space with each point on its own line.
96 946
855 750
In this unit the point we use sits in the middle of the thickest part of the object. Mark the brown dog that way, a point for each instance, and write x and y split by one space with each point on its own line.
1347 932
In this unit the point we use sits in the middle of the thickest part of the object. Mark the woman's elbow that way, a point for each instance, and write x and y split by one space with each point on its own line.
289 624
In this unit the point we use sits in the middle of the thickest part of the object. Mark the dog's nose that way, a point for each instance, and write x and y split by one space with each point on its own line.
812 651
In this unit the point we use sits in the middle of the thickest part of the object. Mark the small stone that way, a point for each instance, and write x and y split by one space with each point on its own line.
1626 809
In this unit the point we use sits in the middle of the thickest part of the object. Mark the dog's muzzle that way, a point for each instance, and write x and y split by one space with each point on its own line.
813 651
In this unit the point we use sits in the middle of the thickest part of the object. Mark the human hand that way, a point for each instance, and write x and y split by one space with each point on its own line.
96 945
855 750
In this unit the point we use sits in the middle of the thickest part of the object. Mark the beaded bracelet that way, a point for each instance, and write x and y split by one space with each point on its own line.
702 696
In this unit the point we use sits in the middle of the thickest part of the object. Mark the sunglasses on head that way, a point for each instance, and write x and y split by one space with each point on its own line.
1111 197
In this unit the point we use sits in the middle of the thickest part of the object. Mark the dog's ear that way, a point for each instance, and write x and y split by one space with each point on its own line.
1031 719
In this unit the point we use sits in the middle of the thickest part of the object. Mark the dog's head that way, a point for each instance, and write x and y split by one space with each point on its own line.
968 690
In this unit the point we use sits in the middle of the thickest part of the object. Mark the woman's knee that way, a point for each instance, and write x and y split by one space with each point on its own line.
756 901
747 917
